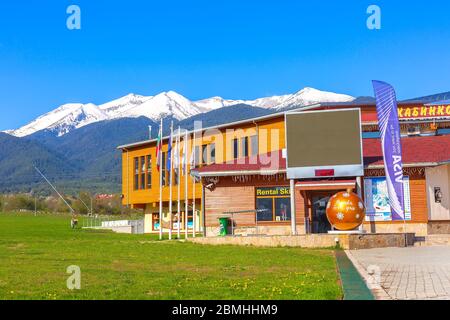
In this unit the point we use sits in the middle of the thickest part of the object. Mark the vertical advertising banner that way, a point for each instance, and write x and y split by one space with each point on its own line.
391 144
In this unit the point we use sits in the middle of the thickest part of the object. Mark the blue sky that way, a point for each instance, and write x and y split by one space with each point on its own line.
235 49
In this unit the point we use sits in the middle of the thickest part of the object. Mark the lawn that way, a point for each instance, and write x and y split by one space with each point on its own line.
36 250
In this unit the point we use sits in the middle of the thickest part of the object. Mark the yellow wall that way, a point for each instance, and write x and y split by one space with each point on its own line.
271 138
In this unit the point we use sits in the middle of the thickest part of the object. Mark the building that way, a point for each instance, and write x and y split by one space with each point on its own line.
240 168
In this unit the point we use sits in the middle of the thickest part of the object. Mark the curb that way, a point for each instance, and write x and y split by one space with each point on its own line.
353 285
378 292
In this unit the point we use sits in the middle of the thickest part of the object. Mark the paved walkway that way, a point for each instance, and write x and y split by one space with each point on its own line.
405 273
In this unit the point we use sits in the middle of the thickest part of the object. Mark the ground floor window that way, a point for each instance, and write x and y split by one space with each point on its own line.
273 204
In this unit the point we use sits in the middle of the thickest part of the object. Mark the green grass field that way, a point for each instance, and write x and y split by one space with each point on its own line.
35 252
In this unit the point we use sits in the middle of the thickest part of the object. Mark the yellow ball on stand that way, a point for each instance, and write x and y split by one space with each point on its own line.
346 211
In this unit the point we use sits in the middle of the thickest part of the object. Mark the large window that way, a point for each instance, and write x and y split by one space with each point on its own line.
149 172
254 145
265 209
235 147
142 173
136 173
244 142
212 152
273 204
204 154
197 156
176 176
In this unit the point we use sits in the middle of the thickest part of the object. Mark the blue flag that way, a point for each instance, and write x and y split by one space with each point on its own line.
392 147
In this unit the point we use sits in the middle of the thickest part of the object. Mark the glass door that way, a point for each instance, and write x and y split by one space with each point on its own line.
320 222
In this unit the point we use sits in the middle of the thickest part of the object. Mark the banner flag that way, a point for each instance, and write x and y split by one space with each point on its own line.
391 145
169 154
176 155
158 147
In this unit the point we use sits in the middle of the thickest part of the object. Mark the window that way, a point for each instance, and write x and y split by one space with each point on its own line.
282 209
254 145
265 209
273 204
212 152
197 156
204 154
149 172
235 147
142 173
136 173
244 143
176 178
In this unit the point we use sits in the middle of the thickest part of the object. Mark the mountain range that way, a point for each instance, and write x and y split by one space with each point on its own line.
75 144
68 117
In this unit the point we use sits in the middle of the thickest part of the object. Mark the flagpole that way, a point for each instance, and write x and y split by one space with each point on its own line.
178 182
193 191
160 183
186 202
170 182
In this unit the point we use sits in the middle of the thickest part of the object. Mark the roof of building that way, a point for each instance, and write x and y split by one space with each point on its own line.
331 105
417 152
439 103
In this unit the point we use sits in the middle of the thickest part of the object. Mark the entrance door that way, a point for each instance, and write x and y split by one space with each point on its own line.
319 219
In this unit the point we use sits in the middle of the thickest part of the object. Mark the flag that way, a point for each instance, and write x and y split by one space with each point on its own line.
169 153
183 159
391 145
176 155
158 147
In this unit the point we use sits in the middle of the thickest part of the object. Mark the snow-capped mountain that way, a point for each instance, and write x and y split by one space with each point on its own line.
166 104
163 105
63 119
116 107
309 96
304 97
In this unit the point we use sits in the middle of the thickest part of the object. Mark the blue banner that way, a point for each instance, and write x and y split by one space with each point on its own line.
392 147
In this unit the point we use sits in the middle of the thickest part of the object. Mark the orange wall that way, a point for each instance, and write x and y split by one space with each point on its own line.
271 138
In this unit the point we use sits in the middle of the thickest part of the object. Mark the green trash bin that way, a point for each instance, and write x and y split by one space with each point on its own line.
223 222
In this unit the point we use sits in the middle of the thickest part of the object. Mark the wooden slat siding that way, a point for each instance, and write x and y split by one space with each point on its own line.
419 208
230 199
300 207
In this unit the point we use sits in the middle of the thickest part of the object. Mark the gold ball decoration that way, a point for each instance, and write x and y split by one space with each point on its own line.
346 211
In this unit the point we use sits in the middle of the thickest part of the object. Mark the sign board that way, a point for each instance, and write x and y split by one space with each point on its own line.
424 112
325 143
273 191
376 199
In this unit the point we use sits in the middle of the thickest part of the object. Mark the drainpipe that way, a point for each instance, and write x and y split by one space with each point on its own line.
293 215
203 211
359 192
